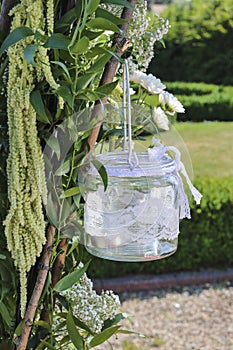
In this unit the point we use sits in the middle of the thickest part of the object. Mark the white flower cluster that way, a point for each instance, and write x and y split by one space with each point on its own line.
147 81
142 34
89 307
169 104
162 27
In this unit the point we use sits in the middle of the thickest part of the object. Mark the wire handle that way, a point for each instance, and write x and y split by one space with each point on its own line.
132 157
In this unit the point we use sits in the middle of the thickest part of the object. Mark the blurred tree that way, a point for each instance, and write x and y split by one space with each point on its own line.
199 44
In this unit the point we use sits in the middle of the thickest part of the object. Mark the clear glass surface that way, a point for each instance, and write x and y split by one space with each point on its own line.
137 217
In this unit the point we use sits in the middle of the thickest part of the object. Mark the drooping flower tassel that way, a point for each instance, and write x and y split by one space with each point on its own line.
25 224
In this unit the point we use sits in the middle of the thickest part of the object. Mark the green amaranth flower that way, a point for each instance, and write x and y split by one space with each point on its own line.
24 224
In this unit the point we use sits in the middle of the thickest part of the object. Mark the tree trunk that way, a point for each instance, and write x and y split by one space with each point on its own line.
5 19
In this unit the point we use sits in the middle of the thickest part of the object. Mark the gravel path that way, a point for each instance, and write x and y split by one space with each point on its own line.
191 318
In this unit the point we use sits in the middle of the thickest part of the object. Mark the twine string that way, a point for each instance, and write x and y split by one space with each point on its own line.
132 157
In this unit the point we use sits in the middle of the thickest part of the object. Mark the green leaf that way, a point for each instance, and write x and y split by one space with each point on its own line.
64 340
128 331
5 313
71 192
109 16
42 324
70 279
118 318
64 302
29 53
98 50
107 88
73 332
72 229
66 212
7 275
63 66
74 246
51 211
99 64
57 41
82 325
112 53
47 285
102 171
91 6
38 105
48 345
79 6
18 329
15 36
91 35
162 43
66 94
123 3
89 96
66 21
63 169
102 23
85 80
54 144
95 51
103 336
81 46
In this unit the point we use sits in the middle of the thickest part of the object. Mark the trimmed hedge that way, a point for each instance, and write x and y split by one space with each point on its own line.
205 241
203 101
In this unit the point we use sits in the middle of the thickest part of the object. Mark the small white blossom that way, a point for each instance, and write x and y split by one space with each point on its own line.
160 118
89 307
162 27
147 81
170 103
143 32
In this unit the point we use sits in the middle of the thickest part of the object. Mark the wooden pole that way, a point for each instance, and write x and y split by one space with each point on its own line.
21 342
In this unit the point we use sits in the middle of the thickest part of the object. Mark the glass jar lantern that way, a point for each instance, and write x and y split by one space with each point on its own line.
137 217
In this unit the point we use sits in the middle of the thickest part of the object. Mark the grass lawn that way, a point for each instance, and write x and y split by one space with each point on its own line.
206 147
210 146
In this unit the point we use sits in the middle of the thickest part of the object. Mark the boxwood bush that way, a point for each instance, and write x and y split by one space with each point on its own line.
205 241
203 101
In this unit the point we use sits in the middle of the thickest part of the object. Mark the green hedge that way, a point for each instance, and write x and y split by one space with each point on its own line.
203 101
205 241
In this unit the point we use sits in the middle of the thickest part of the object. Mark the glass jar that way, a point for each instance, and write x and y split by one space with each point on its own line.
137 217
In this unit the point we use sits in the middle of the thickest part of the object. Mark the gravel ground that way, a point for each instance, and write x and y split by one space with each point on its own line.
191 318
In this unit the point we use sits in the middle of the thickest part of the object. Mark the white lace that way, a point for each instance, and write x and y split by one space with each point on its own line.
158 152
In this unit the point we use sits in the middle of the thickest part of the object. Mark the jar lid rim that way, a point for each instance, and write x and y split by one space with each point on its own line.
116 164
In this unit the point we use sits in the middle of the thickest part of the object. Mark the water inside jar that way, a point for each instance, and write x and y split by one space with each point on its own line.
136 218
